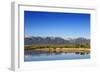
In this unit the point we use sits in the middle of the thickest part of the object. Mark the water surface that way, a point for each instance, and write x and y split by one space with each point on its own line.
45 56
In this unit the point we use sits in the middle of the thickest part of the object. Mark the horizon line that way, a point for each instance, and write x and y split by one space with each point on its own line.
59 36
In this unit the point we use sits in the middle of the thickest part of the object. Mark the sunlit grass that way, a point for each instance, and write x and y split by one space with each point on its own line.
59 48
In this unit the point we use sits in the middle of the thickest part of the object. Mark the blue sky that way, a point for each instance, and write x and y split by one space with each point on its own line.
67 25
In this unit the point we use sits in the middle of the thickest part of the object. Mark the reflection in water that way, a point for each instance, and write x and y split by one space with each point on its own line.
35 52
34 55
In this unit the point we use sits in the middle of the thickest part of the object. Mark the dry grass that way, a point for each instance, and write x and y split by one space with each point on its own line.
87 50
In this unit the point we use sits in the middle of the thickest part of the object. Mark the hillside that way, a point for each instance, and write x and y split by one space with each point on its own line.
55 40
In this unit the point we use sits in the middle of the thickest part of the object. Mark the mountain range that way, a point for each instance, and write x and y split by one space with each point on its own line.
54 40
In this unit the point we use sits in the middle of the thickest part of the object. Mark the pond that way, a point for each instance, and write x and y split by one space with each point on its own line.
47 56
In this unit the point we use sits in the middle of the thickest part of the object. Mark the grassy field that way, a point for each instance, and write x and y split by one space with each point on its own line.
59 48
65 50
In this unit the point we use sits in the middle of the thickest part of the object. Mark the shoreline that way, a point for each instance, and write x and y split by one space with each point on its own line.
61 50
